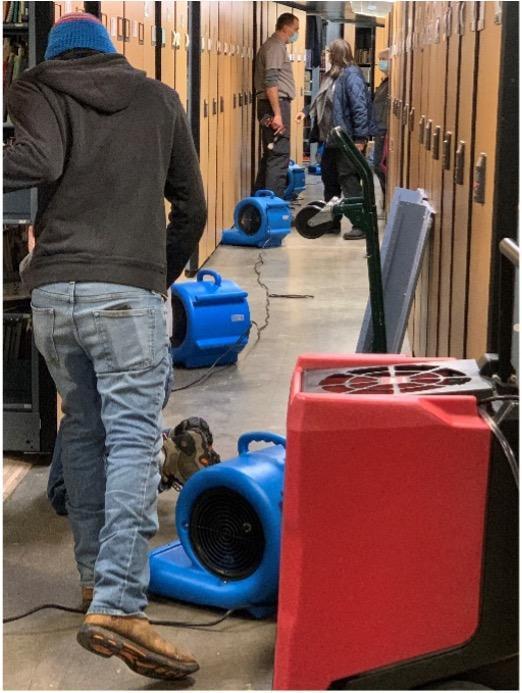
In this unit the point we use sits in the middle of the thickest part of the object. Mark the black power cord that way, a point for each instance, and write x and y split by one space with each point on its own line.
153 622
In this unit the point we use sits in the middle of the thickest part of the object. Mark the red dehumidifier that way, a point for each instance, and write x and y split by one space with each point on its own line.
399 538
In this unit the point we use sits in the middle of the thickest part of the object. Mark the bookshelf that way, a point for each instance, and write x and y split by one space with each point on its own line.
29 396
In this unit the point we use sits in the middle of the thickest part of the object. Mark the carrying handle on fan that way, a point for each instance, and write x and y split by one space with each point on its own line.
208 272
265 193
244 441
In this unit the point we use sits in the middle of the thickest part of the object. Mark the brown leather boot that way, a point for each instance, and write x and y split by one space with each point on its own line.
87 594
135 642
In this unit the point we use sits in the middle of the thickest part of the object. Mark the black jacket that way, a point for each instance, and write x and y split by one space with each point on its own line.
380 109
105 145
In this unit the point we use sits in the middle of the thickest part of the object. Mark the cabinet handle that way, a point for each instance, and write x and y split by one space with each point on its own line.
479 179
405 111
234 101
214 106
447 24
126 30
435 144
427 135
498 12
459 163
120 30
481 19
205 108
141 33
422 123
245 98
221 104
411 120
462 18
474 19
153 35
240 100
446 151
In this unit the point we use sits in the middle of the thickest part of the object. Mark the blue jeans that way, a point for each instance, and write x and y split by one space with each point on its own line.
106 348
56 490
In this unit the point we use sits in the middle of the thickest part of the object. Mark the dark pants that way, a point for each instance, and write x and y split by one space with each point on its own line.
339 176
273 167
377 158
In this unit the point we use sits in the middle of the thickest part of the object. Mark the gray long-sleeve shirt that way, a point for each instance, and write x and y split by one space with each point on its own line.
274 69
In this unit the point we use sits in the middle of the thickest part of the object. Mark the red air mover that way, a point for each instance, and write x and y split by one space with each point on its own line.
392 501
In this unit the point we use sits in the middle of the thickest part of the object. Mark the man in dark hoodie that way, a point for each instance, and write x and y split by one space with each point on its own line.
105 144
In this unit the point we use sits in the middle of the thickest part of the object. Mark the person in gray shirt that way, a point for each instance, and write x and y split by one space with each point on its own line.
275 89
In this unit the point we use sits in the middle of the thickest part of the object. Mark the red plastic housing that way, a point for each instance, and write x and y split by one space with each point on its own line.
383 524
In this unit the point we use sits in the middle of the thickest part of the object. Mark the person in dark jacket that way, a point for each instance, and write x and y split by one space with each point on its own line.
351 111
104 144
380 115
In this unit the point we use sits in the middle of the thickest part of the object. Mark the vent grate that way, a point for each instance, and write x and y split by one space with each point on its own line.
461 377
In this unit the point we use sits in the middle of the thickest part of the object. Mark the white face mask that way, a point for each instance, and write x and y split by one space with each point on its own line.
294 37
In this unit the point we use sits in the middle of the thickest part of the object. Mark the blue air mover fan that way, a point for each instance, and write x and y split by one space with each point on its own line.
296 181
262 221
211 320
228 519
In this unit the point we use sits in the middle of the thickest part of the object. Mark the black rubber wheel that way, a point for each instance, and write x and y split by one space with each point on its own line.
303 217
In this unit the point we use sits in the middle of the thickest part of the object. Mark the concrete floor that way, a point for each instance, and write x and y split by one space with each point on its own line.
40 652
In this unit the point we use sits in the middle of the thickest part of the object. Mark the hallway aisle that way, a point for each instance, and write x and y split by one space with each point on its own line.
250 396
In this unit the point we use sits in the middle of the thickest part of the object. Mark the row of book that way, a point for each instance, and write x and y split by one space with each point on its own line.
363 55
16 12
15 61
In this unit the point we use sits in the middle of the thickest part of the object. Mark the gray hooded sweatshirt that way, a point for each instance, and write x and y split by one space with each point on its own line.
105 145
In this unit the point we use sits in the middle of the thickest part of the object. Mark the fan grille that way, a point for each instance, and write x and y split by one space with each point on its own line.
249 220
226 533
413 378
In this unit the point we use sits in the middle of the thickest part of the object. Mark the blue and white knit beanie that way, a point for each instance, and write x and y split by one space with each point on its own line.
78 30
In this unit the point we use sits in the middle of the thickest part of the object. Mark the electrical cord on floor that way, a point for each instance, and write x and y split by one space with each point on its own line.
153 622
184 624
210 370
291 296
59 607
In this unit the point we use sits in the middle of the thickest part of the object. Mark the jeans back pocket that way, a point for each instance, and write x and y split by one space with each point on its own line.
127 337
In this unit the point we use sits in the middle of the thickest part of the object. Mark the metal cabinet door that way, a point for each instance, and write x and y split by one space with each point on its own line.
464 146
486 124
433 143
452 39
